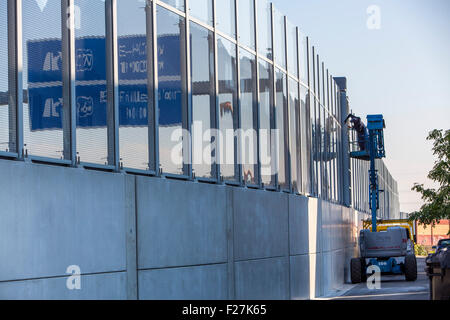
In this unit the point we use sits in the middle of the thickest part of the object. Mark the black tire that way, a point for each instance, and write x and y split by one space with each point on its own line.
363 270
355 270
410 267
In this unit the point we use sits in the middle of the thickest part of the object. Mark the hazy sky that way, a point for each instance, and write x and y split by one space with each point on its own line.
400 70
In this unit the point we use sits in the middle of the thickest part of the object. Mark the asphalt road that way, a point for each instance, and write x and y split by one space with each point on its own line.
393 288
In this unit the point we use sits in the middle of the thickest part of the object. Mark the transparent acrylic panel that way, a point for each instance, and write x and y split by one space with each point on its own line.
228 109
303 48
247 23
294 137
42 80
264 31
226 17
312 68
314 147
203 100
279 39
266 115
319 80
202 10
305 146
249 118
292 49
134 102
323 84
327 155
171 91
177 4
90 89
323 152
281 117
4 105
318 149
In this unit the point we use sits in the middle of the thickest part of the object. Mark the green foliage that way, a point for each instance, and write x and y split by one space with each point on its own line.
420 250
437 202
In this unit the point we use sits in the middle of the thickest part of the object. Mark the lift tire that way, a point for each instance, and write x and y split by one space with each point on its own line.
355 270
410 267
363 270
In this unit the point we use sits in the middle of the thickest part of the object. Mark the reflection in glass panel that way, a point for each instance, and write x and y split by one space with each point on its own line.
178 4
249 118
4 112
281 116
203 100
294 137
202 10
42 80
322 152
92 135
265 29
327 156
317 151
305 135
228 109
247 23
134 101
303 47
292 49
279 39
171 91
266 115
226 17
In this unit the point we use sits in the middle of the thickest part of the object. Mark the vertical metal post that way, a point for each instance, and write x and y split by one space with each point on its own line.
15 81
68 79
112 83
258 98
212 94
274 140
286 113
217 144
187 142
310 142
152 87
300 184
238 159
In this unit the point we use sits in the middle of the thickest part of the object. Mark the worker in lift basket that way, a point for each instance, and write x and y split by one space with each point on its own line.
360 129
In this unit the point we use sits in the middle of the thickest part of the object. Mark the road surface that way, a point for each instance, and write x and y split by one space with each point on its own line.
393 288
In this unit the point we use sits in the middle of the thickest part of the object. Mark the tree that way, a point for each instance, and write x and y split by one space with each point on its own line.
436 205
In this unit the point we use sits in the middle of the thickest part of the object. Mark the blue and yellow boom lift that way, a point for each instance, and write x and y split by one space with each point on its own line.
391 249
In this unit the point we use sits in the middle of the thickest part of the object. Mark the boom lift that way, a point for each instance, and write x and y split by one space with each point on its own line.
389 247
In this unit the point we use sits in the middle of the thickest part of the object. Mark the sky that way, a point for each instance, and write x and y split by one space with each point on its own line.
400 70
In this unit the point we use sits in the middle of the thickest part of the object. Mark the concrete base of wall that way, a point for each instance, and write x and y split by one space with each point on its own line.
138 237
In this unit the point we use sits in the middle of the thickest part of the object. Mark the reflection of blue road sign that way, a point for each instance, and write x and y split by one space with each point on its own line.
45 76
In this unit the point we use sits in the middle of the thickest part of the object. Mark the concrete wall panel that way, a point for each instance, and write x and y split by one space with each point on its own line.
180 223
266 279
109 286
300 277
191 283
53 217
260 224
298 225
